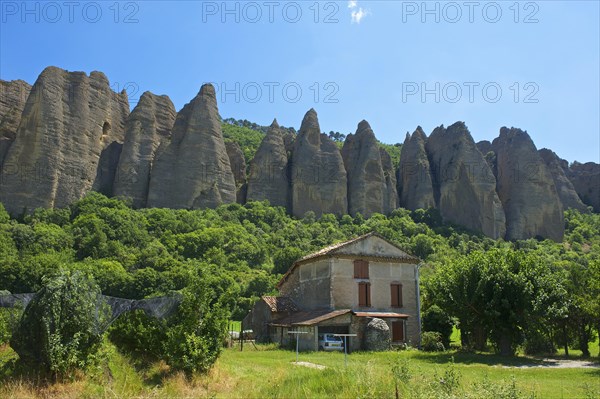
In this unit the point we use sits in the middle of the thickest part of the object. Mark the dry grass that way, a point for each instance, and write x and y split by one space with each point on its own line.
270 372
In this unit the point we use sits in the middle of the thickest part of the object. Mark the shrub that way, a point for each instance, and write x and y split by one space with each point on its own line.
431 341
436 320
60 328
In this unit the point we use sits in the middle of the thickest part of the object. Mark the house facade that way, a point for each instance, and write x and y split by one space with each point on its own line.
340 289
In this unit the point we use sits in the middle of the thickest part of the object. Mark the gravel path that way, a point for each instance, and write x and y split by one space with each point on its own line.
560 364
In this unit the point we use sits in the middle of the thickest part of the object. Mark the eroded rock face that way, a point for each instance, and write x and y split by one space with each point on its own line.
464 185
526 188
566 192
238 167
377 336
193 170
268 179
367 185
13 95
69 119
414 176
390 196
586 181
148 125
318 176
107 169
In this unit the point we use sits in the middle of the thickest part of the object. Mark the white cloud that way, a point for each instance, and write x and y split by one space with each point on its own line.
357 16
357 13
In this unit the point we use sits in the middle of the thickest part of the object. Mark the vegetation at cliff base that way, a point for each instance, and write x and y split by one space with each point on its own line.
530 296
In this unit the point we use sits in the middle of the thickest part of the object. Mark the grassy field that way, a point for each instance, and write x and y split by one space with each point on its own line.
270 372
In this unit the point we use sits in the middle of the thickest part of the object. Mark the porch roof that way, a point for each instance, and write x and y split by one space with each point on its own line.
382 315
309 318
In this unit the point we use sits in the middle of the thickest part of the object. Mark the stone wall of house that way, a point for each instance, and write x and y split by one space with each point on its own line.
310 285
258 319
381 276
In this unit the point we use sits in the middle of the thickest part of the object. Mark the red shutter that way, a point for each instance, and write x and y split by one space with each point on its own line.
357 269
368 289
400 302
362 295
365 273
394 289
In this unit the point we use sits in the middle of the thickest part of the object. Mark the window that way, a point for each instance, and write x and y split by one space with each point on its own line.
361 269
396 295
364 295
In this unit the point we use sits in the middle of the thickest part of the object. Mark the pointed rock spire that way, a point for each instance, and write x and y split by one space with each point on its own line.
193 170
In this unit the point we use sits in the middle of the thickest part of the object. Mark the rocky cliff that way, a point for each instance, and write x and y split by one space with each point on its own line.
367 185
586 181
526 188
319 181
69 119
149 124
193 169
69 134
414 176
13 96
566 192
464 185
268 179
238 168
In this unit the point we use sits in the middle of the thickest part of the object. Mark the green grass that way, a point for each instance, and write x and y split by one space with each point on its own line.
270 372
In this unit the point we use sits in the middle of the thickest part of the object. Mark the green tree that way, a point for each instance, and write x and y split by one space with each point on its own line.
60 328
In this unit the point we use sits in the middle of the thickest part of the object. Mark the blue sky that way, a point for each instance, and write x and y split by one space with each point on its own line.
397 64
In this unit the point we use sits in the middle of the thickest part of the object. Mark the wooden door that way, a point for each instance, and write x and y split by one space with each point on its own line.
398 331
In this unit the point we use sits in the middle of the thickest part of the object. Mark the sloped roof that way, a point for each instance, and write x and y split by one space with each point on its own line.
309 318
382 315
280 303
336 249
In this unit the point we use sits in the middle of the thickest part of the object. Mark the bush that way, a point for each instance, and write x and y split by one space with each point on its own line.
60 328
436 320
431 341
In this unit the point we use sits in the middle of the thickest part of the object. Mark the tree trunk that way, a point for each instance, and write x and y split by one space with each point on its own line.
480 338
505 345
566 339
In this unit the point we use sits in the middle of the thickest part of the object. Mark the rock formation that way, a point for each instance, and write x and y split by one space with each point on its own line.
68 120
390 194
107 169
526 188
566 192
586 181
268 179
377 336
367 185
318 175
414 177
193 170
13 96
464 185
484 147
148 125
238 167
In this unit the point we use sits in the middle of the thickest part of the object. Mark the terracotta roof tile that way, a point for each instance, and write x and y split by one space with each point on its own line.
280 303
309 318
382 315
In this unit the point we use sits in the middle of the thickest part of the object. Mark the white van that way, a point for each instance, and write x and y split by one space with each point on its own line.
329 342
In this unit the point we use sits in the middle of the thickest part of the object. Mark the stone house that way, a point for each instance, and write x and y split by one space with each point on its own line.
340 289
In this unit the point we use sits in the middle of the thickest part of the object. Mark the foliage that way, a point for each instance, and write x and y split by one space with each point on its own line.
436 320
60 328
431 341
540 294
